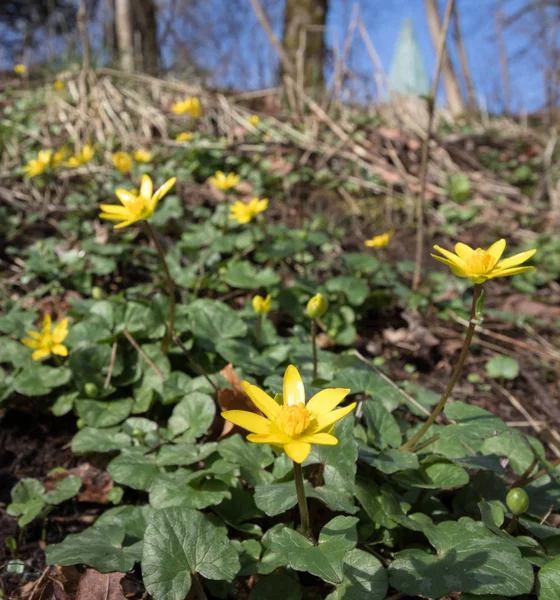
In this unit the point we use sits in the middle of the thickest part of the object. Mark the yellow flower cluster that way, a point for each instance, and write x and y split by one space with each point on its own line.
188 105
184 136
124 161
261 305
59 85
293 424
49 340
254 120
82 157
379 241
245 213
224 182
20 69
46 159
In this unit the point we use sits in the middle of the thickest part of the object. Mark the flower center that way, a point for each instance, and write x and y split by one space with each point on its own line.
294 419
480 262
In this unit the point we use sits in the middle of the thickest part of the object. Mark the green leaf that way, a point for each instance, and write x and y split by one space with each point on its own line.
28 501
518 448
502 366
458 187
276 587
183 454
244 275
90 439
383 429
134 519
64 404
180 542
64 490
134 469
548 581
100 548
364 380
88 363
96 413
365 578
39 380
194 415
214 321
326 559
469 558
252 458
14 352
389 461
355 290
435 472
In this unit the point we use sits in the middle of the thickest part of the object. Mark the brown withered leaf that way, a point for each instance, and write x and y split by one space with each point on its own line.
233 398
520 304
100 586
96 484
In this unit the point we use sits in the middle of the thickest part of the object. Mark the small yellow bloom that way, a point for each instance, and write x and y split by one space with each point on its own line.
59 157
83 156
38 165
224 182
479 265
136 207
245 213
59 85
254 120
20 69
49 340
188 105
317 306
185 136
142 156
123 161
379 241
294 425
262 305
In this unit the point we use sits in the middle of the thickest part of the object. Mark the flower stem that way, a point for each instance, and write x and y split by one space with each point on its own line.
314 346
166 342
302 501
413 441
258 329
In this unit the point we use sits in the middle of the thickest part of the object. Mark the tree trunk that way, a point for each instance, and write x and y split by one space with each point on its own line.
452 89
304 39
145 22
125 34
503 57
464 61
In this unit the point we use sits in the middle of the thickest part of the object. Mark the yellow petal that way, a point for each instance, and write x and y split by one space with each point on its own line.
31 343
515 260
39 354
60 331
114 209
47 324
326 400
463 251
160 193
298 451
294 392
146 187
126 223
248 420
34 334
456 270
510 271
111 217
324 439
497 249
270 438
457 260
325 421
60 350
125 196
262 401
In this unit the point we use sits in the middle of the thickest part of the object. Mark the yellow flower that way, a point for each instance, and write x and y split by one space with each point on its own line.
262 305
224 182
254 120
49 340
123 161
59 157
185 136
142 156
317 306
188 105
294 425
82 157
38 165
379 241
245 213
136 207
479 265
20 69
59 85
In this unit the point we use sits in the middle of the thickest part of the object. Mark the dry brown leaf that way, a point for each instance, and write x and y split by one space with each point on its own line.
518 303
96 483
100 586
233 398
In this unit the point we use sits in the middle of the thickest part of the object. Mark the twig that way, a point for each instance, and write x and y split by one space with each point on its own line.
150 362
426 149
111 365
196 366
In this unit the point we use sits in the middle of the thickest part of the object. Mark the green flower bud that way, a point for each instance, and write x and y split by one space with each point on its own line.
91 390
317 306
80 423
96 292
517 501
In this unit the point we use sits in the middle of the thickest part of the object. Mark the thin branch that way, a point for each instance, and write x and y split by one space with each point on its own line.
150 362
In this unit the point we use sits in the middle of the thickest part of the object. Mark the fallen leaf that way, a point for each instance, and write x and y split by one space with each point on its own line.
96 483
517 303
100 586
233 398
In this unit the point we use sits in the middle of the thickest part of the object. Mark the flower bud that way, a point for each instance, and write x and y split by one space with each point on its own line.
262 305
96 292
517 501
317 306
91 390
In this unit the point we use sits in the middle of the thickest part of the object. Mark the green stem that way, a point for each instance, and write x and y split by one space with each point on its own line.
314 346
413 441
512 525
166 342
302 501
258 329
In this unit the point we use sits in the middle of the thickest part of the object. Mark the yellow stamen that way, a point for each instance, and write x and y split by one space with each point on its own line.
293 420
480 262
